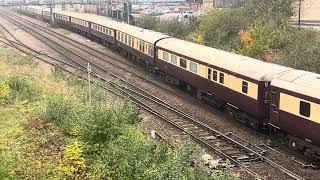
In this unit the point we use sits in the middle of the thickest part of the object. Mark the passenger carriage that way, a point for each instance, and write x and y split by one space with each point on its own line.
63 20
295 105
139 42
225 79
46 15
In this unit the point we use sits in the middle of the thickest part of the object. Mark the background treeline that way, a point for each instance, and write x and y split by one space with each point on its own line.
261 29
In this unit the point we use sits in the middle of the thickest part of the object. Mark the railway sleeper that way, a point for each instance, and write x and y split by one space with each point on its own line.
206 138
191 128
232 151
203 134
225 148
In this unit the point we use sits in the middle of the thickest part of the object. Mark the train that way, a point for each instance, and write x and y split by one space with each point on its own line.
263 95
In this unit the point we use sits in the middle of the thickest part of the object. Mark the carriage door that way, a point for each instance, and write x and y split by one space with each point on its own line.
274 107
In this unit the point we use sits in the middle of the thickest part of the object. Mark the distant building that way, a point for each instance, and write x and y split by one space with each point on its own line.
310 14
209 4
310 10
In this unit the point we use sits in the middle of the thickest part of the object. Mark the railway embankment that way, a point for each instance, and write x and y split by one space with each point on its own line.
48 128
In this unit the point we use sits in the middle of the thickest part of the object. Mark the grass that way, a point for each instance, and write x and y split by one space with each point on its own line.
29 148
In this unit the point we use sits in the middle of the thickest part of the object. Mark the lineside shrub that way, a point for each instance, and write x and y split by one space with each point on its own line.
5 91
23 89
64 111
18 88
105 124
73 163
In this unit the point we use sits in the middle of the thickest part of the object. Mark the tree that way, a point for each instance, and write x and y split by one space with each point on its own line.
260 40
220 29
275 11
176 28
300 49
147 22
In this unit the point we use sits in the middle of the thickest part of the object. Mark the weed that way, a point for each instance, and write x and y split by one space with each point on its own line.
57 73
13 57
4 91
64 111
22 89
73 162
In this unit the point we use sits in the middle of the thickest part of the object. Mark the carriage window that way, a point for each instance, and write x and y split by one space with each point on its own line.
221 79
165 56
304 109
273 98
129 40
142 46
215 75
132 42
244 87
174 59
125 39
183 63
122 37
209 74
193 67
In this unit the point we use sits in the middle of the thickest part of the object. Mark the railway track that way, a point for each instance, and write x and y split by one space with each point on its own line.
240 153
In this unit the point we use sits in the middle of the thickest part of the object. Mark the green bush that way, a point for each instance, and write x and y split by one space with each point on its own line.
58 73
220 29
18 88
104 124
172 27
23 89
16 58
73 163
300 49
128 156
176 28
276 11
66 112
147 22
133 156
5 91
